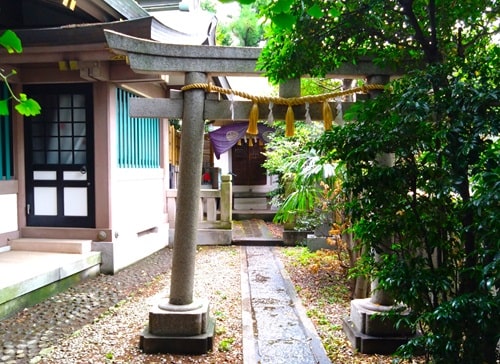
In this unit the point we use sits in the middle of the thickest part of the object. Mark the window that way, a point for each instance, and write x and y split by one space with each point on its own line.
138 138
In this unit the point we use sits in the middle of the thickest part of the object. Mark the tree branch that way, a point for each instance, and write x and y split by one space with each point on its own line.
426 45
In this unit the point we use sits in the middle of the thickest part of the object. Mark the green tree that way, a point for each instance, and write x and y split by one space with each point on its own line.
285 158
23 104
431 214
317 86
246 30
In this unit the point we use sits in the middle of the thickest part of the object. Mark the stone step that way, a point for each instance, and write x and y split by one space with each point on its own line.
28 277
257 242
252 203
71 246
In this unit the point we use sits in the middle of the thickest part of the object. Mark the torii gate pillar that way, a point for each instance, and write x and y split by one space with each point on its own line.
181 324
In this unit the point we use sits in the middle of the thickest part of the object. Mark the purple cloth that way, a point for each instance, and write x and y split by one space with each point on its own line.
226 136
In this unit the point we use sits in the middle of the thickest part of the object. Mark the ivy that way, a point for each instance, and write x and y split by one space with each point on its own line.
23 104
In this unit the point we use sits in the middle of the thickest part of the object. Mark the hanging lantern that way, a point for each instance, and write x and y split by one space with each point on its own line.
252 120
289 121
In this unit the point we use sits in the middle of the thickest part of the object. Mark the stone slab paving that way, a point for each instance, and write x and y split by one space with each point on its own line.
280 329
253 232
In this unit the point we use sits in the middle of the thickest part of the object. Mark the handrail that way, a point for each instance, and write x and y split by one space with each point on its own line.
210 200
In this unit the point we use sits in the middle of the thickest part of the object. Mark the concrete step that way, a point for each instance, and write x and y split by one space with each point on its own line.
257 242
28 277
70 246
252 203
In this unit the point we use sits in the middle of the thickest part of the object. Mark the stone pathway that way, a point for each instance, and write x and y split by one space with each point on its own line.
253 232
276 328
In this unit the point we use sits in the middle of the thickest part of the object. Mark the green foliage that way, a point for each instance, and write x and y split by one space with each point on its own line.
312 37
317 86
247 28
24 105
246 31
226 344
439 200
300 174
10 41
208 5
27 106
432 214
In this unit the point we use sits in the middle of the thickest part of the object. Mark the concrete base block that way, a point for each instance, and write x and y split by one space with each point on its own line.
367 344
369 318
185 329
315 243
214 237
185 345
370 332
165 322
294 237
207 237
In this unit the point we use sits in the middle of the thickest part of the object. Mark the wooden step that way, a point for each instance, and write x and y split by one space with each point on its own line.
71 246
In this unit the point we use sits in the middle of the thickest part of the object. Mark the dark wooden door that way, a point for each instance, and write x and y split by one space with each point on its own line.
60 157
247 165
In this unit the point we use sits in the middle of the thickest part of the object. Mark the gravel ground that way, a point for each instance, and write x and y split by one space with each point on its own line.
114 336
44 325
100 320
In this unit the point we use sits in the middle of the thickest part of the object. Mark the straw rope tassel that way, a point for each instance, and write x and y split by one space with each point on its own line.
252 120
327 115
290 120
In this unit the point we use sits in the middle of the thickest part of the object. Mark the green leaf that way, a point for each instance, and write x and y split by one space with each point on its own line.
243 2
284 21
334 12
315 11
4 107
283 6
10 41
28 107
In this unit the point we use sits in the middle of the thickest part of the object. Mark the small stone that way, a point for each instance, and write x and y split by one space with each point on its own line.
9 351
37 359
32 342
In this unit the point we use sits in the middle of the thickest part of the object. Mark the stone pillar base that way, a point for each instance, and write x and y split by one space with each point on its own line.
174 329
371 333
294 237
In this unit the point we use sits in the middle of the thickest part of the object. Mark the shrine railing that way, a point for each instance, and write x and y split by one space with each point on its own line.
215 210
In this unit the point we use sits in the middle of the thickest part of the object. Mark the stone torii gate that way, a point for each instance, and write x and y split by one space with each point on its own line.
182 323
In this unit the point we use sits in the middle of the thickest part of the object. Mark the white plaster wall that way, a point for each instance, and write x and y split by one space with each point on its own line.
138 200
139 219
222 163
8 213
